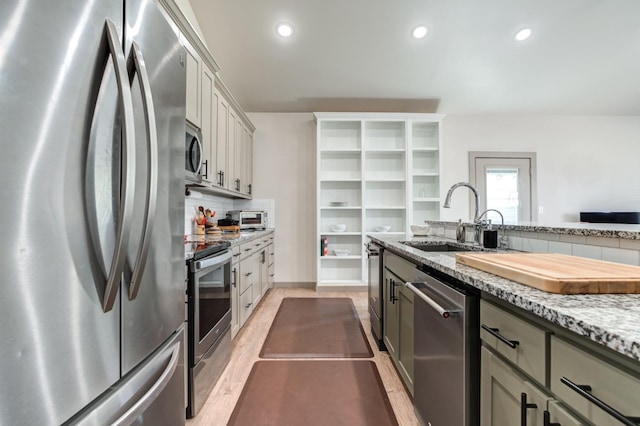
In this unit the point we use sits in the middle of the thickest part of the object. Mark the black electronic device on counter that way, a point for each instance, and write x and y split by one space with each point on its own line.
610 217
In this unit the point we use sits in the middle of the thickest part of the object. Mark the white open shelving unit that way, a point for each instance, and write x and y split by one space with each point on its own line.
385 169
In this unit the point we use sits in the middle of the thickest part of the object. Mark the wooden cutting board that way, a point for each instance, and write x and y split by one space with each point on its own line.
557 273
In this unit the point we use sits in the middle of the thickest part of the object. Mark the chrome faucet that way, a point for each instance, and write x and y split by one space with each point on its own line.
476 219
502 242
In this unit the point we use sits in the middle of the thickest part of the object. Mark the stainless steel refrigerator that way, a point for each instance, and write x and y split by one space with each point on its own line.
92 121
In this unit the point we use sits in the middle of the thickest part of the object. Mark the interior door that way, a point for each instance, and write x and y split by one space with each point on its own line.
157 310
504 184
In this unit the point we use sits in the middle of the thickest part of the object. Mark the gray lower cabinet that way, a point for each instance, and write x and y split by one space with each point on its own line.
405 357
529 365
398 316
558 415
505 395
578 375
391 317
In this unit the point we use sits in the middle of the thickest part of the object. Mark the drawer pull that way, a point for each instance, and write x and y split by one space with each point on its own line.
583 391
524 406
495 333
249 305
546 419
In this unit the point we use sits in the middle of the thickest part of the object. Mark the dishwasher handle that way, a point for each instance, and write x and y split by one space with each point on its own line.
443 312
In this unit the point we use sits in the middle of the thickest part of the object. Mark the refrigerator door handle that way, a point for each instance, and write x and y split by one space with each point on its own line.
137 64
152 394
128 171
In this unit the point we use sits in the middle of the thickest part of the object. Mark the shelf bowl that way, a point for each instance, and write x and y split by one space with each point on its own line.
382 228
420 229
338 227
341 252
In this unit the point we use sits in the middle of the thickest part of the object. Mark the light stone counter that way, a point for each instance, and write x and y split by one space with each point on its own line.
611 320
234 238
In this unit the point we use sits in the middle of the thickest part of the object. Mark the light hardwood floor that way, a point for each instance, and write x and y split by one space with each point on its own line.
247 344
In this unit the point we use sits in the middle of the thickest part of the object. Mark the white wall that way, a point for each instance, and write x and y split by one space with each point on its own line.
584 163
285 170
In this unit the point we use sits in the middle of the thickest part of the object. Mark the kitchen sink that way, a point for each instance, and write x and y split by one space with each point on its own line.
438 246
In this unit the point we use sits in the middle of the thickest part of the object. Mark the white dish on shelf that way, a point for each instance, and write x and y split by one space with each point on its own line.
341 252
338 227
382 228
338 203
420 230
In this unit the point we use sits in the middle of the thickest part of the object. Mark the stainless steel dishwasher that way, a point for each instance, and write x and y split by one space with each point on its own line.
446 350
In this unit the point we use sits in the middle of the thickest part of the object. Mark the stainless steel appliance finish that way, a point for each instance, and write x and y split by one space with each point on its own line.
193 154
374 254
98 105
209 305
249 219
446 372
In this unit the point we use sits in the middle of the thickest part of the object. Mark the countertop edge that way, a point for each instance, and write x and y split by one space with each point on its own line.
243 238
624 231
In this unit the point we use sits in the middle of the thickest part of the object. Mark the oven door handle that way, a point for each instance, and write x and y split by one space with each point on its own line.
215 261
442 311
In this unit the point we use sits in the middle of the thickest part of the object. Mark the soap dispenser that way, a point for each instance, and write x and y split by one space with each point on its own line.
460 234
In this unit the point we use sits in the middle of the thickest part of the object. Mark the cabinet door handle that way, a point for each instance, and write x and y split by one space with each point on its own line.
248 273
206 169
237 184
524 406
513 344
247 249
248 305
393 292
546 419
250 189
235 276
583 391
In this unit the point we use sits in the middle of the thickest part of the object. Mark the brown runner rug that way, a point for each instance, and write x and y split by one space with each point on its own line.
316 328
313 393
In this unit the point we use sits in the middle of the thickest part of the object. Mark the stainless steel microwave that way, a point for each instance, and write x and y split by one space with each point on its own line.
193 154
249 219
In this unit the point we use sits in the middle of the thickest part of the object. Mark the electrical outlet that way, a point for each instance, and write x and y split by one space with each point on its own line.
540 210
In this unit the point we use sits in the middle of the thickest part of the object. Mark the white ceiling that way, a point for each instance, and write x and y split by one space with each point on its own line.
358 55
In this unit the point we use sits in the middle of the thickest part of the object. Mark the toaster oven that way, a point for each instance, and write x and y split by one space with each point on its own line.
249 219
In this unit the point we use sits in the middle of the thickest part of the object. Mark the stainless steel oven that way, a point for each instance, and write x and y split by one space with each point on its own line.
209 319
193 155
446 350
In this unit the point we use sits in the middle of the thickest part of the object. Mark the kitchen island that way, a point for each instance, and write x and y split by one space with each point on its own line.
549 358
611 320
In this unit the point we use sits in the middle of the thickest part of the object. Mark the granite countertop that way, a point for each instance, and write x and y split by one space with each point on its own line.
611 230
612 320
234 238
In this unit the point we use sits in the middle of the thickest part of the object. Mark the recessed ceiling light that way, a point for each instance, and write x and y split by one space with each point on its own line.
523 34
284 29
419 32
